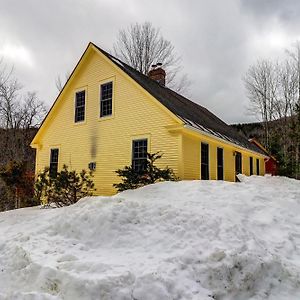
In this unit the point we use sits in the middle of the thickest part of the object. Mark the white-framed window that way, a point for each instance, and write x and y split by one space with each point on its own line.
54 153
106 99
80 106
139 154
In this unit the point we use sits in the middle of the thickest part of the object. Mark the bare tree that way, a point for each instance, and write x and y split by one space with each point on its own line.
287 91
274 92
59 82
261 82
18 111
18 114
294 54
8 103
142 45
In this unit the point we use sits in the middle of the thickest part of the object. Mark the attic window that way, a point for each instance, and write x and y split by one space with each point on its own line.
139 154
106 99
79 106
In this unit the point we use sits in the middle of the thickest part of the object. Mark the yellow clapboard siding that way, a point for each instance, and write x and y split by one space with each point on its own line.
191 149
134 115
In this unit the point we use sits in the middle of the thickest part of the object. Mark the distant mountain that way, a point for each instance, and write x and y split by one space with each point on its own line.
250 130
256 129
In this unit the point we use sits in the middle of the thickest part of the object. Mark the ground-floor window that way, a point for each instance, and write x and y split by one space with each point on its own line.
53 162
139 154
238 163
257 166
251 166
204 161
220 164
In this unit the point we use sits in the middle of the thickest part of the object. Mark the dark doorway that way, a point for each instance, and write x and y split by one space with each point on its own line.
220 164
204 161
251 166
238 163
257 166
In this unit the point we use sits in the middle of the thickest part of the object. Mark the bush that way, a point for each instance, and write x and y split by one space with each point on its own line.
7 198
17 188
65 189
132 179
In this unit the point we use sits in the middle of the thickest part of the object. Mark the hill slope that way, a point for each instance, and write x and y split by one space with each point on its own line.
173 240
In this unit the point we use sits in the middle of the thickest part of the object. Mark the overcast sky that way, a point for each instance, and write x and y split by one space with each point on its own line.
217 40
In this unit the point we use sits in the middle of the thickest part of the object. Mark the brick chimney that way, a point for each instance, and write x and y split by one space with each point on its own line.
158 74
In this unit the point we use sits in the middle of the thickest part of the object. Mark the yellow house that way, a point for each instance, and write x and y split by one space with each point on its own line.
109 115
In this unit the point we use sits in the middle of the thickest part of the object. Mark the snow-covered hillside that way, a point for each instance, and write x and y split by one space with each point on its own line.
173 240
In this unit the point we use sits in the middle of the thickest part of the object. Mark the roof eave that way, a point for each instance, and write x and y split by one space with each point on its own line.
199 131
35 139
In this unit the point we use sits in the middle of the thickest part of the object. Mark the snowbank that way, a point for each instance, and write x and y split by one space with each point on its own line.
173 240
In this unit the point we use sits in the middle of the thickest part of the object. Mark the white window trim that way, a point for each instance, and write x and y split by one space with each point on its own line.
104 81
52 147
85 89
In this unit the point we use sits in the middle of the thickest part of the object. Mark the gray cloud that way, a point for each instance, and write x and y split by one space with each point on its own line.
286 10
217 40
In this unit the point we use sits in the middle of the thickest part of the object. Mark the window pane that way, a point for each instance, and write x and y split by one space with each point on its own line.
106 99
53 162
80 106
139 155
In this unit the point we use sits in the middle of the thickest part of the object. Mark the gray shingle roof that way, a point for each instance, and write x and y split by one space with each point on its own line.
188 111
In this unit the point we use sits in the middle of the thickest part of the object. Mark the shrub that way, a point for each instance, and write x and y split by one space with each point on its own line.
18 190
132 179
65 189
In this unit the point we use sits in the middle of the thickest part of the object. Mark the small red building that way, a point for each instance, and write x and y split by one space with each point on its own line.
271 163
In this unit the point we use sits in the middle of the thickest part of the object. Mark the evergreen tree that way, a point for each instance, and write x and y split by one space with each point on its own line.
132 179
65 189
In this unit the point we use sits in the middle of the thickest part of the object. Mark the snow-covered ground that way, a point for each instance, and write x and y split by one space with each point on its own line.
172 240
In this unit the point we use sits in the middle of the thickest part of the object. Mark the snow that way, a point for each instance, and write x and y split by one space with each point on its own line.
117 61
172 240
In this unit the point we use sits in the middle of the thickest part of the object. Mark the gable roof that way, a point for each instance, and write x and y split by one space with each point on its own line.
189 112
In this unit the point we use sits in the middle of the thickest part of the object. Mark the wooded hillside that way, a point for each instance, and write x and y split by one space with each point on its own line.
282 142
